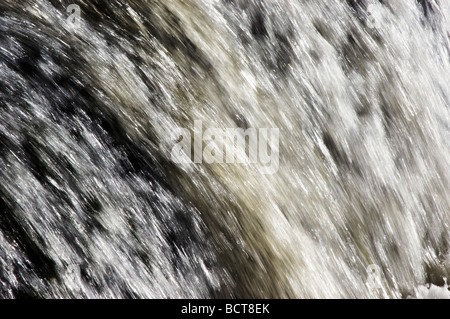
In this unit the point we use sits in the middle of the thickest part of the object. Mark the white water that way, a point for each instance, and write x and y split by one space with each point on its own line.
361 98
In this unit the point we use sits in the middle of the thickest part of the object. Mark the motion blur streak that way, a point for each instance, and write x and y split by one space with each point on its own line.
92 205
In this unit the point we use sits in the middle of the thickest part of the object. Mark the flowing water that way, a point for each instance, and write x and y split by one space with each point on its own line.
93 205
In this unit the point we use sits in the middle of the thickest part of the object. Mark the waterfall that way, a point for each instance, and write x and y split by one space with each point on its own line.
95 95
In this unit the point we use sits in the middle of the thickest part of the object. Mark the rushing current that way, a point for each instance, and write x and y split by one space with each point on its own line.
93 204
